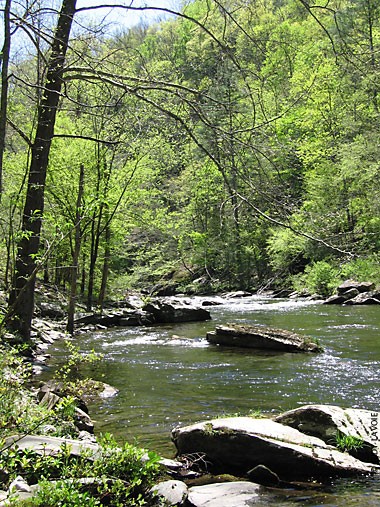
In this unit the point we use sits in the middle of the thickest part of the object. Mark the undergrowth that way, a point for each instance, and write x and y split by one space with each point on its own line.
112 475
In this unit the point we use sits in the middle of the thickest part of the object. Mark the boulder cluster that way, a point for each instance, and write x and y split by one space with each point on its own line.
156 311
239 461
351 292
300 448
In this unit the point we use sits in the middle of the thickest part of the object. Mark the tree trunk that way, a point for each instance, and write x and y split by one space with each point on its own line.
22 294
4 85
76 252
95 237
107 254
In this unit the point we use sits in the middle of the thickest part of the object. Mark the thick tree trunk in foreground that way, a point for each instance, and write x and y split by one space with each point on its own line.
22 294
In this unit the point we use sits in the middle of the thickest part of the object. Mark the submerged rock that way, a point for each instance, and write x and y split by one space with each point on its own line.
239 444
260 337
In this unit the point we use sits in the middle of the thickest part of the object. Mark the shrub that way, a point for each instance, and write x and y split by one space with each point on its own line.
60 494
122 475
319 277
362 269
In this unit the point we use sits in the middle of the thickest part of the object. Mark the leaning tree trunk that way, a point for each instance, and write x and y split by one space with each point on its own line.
21 300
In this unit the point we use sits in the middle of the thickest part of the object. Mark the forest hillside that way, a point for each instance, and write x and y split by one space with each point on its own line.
233 145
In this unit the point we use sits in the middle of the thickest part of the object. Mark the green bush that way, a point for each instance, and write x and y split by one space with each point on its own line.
364 269
285 249
320 277
60 494
348 443
122 475
19 410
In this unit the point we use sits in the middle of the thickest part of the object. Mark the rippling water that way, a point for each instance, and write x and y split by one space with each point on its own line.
169 375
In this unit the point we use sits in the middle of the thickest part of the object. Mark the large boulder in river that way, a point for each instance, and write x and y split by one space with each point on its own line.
352 284
237 445
355 429
351 292
365 298
167 311
260 337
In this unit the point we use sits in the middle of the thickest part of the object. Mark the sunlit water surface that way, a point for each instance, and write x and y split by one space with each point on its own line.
168 375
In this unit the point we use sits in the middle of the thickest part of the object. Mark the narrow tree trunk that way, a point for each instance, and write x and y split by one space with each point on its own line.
4 86
22 295
95 237
83 277
76 252
107 252
371 43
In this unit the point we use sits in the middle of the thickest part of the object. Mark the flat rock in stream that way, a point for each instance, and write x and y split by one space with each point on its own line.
260 337
227 494
237 445
46 445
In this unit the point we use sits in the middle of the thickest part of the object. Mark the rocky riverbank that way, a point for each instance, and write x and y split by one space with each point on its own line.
195 475
352 292
234 460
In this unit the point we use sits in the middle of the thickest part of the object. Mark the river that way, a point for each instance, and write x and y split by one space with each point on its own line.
169 375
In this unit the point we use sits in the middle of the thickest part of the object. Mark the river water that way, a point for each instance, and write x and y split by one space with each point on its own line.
169 375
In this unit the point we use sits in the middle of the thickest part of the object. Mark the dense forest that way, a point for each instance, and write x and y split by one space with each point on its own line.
234 144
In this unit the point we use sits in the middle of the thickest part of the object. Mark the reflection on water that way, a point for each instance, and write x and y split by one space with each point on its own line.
169 375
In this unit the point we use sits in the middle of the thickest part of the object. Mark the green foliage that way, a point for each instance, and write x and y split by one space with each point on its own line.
286 250
33 466
320 277
19 410
348 443
122 475
214 143
69 373
60 494
364 269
